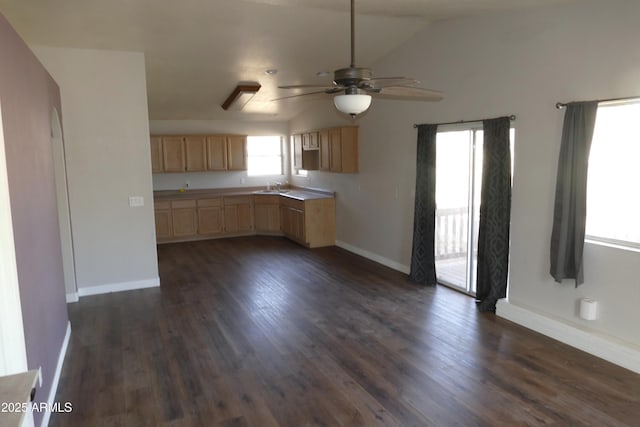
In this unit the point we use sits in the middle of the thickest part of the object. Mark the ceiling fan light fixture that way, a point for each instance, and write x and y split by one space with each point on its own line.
352 103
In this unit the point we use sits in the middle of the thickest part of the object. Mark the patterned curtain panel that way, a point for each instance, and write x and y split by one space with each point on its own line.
423 267
495 214
570 210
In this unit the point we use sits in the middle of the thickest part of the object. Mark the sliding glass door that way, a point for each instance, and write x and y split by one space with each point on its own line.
458 178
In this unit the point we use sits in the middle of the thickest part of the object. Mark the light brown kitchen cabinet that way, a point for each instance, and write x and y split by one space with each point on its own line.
164 229
266 212
297 151
238 215
217 152
310 141
210 216
236 152
195 148
311 222
324 150
198 153
156 154
173 159
343 149
184 218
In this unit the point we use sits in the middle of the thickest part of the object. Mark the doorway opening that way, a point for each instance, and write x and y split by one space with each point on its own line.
458 190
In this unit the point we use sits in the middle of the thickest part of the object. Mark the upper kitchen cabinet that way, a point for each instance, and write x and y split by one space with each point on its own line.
198 153
343 149
195 148
156 154
330 150
297 151
237 152
217 153
173 158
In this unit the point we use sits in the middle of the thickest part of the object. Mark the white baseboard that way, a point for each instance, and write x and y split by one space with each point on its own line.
72 297
119 287
56 377
374 257
608 348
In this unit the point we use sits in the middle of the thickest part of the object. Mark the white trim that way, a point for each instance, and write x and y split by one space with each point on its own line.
56 377
606 347
118 287
374 257
72 297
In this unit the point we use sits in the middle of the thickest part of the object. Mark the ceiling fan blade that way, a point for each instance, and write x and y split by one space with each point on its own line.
409 93
391 81
300 95
307 87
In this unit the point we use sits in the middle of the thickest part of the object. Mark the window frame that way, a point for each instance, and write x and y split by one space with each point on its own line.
281 156
612 242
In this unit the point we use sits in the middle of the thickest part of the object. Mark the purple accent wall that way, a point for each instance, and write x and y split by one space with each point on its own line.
28 94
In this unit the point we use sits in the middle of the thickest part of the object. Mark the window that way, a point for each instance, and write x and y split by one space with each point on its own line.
264 155
613 205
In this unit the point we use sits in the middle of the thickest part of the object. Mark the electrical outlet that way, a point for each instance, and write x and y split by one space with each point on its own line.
136 201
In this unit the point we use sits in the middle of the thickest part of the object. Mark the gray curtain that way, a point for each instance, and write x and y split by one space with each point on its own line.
495 214
570 210
423 268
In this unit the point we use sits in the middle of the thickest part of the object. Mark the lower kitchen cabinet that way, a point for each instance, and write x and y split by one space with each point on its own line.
238 215
310 222
210 217
266 212
164 229
184 218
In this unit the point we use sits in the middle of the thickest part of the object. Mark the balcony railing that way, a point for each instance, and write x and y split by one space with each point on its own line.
451 233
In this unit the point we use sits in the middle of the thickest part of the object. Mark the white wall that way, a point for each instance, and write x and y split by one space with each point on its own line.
175 181
13 353
106 134
509 63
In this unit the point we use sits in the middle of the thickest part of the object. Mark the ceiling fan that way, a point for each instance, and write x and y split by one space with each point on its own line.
359 85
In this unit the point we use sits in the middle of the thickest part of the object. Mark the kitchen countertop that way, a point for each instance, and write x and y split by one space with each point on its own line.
298 193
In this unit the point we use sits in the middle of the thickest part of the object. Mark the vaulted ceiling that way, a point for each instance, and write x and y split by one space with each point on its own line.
197 51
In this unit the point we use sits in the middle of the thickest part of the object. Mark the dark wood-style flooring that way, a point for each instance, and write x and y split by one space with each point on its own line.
262 332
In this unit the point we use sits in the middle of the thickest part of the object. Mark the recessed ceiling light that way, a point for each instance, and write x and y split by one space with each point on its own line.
271 71
322 73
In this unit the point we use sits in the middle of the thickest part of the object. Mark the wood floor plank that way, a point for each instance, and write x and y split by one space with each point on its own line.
259 331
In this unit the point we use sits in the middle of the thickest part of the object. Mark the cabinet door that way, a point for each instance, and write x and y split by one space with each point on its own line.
184 218
195 148
292 222
217 153
349 149
238 215
267 218
163 224
236 152
210 220
297 151
325 150
156 154
173 153
335 150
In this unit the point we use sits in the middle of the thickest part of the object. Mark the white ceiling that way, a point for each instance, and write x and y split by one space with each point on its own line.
197 51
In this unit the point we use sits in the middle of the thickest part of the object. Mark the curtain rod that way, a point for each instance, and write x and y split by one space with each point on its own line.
560 105
511 117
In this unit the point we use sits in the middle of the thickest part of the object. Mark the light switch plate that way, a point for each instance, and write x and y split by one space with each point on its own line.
136 201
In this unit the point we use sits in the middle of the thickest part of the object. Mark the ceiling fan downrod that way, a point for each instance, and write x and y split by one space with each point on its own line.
353 35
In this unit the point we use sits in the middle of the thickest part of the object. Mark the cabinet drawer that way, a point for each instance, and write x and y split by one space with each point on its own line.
237 200
294 203
266 200
205 203
162 204
182 204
